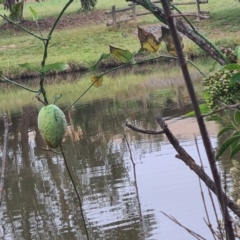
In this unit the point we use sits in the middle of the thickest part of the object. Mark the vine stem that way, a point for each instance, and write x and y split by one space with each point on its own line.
45 53
24 29
76 191
19 85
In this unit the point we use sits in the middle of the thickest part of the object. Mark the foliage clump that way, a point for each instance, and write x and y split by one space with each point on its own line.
220 87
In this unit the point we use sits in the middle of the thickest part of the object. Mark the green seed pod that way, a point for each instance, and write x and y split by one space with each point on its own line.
52 125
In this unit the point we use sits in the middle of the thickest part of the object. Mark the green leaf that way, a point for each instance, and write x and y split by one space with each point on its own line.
29 66
148 41
227 144
234 79
237 117
225 129
232 66
59 66
103 57
34 14
16 11
234 151
1 2
234 144
203 108
121 55
237 52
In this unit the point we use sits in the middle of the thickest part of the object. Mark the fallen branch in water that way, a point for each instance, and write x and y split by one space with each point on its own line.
4 158
189 161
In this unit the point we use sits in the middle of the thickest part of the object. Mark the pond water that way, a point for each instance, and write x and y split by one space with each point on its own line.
119 201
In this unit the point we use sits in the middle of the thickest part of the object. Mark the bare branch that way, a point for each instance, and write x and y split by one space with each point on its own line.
233 106
136 129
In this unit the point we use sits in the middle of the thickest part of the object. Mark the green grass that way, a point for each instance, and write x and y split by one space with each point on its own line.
85 45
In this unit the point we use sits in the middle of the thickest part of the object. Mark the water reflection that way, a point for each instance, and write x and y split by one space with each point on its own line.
40 202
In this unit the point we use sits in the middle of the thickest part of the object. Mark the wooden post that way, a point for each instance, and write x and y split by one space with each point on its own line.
134 12
114 17
198 10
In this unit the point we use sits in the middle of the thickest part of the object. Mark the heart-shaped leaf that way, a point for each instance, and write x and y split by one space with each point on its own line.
121 55
148 41
34 14
16 11
97 81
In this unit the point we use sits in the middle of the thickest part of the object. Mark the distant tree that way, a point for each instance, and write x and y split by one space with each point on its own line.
86 5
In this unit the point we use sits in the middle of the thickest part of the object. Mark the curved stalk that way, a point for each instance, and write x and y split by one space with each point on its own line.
19 85
76 191
24 29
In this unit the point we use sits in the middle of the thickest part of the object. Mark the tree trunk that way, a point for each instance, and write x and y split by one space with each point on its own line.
8 4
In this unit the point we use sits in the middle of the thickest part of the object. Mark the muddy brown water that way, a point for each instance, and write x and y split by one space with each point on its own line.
40 202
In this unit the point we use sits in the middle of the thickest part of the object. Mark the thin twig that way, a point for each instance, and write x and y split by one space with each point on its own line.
24 29
222 109
211 198
76 191
4 157
202 194
212 230
135 181
134 128
196 235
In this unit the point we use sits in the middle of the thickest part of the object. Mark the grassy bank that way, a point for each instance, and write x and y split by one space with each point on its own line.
138 83
84 44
